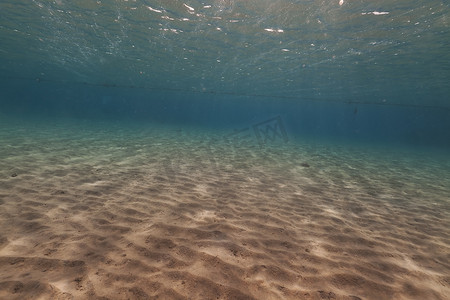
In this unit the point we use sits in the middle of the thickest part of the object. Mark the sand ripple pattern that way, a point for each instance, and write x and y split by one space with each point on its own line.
95 213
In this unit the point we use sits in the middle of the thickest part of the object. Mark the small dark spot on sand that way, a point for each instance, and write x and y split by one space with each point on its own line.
325 295
17 287
306 165
14 175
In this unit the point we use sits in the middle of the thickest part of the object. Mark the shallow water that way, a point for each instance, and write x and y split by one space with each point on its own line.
224 149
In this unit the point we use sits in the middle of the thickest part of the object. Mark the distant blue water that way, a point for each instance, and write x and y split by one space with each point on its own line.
345 122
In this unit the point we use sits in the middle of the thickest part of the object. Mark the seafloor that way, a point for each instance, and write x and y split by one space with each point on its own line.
114 211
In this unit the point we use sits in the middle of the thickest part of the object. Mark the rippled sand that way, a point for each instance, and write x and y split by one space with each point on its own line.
150 213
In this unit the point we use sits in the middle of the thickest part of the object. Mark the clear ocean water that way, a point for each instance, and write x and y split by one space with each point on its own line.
224 149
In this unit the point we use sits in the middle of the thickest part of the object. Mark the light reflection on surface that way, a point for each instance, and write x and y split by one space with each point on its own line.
327 48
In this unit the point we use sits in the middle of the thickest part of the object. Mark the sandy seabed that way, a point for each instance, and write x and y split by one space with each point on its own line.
94 213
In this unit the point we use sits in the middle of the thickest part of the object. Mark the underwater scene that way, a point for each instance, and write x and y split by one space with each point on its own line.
225 149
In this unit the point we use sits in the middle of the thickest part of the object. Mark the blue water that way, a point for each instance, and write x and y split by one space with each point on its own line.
224 149
350 71
345 122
